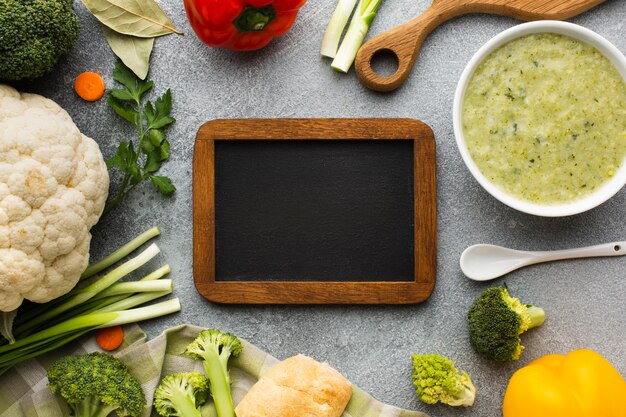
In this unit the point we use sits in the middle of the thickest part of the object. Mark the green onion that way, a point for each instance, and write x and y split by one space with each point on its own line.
335 27
85 294
95 303
120 253
359 25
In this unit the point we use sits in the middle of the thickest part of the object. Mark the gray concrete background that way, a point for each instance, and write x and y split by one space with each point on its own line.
371 345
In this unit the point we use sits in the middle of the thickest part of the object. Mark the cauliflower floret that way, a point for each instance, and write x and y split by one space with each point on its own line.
53 186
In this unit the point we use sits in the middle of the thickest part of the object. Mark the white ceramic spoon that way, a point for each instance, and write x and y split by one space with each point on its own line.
485 262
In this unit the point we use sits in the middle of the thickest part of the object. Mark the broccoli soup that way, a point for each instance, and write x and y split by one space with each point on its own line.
544 118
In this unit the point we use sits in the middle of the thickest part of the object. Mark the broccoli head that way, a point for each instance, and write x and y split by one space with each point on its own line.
34 34
437 380
96 384
181 394
496 320
215 348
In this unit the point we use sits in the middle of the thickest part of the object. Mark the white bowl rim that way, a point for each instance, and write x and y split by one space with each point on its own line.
602 194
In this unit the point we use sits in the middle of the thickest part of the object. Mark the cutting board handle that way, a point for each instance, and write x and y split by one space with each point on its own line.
404 42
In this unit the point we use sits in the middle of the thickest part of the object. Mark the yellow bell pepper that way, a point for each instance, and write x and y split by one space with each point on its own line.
579 384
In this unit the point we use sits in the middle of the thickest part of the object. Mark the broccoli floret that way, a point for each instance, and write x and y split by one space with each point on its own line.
215 348
34 34
496 320
96 384
181 394
437 380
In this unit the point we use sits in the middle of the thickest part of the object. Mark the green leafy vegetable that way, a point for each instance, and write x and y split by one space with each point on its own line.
141 18
140 161
96 302
132 50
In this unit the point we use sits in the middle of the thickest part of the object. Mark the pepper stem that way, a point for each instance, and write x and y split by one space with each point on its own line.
254 19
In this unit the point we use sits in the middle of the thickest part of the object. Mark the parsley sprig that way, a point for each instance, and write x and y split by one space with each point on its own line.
140 162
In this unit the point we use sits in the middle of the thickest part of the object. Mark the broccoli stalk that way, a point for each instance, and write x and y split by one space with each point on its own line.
496 320
437 380
215 348
181 394
96 384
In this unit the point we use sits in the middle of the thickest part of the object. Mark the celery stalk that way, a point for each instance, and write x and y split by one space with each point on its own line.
335 27
359 25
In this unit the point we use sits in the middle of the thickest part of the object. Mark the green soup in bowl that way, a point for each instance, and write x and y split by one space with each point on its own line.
540 118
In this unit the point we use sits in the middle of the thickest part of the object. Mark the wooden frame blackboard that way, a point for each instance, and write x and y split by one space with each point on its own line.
312 292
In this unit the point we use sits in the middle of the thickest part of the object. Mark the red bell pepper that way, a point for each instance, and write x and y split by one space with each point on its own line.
241 25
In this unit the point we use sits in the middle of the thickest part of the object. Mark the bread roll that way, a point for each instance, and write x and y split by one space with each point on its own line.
297 387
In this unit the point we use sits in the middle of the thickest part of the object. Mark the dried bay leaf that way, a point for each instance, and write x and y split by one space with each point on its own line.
132 50
139 18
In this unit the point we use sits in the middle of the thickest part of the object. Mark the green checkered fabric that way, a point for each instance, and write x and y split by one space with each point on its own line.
24 391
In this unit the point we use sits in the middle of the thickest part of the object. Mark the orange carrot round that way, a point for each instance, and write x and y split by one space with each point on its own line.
89 86
110 338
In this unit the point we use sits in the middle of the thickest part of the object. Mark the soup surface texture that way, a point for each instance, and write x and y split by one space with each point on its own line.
544 118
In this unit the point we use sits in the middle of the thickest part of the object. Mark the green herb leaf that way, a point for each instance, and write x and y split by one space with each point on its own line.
122 109
140 163
149 112
153 161
131 156
165 150
123 75
163 104
140 18
120 158
163 184
147 146
145 87
121 94
156 137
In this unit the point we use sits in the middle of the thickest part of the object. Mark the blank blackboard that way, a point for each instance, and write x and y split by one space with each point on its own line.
314 211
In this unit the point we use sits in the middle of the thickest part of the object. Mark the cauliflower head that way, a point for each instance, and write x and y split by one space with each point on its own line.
53 186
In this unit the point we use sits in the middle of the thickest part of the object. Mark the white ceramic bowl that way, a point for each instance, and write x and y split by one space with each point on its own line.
580 33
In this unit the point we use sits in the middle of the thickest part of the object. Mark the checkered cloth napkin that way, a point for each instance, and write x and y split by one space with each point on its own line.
24 391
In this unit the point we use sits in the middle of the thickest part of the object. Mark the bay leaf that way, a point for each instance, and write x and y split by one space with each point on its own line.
140 18
133 51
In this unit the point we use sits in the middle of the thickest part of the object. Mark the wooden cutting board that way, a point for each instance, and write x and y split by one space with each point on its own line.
406 40
314 211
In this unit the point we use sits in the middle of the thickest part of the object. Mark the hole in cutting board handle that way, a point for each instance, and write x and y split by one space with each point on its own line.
385 63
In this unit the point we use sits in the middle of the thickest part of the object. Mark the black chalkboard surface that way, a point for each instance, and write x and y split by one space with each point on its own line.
314 211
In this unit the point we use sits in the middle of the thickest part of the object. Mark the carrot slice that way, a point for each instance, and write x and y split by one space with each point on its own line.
110 338
89 86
